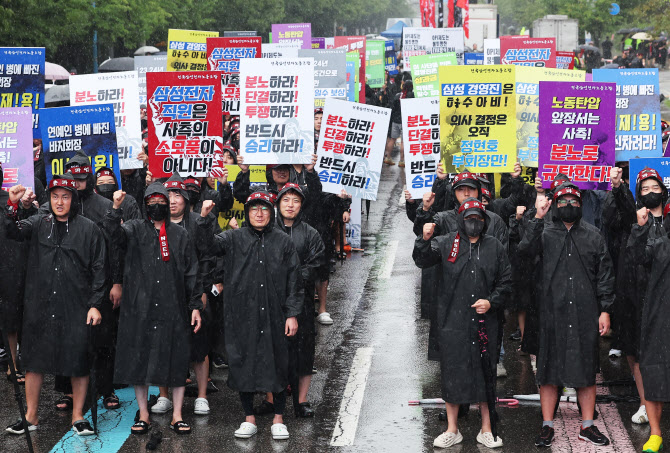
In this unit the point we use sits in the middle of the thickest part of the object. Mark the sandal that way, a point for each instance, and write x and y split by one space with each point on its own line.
177 427
144 426
66 401
20 378
111 402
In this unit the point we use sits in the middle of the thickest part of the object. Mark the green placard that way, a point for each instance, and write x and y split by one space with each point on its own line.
374 63
424 72
354 58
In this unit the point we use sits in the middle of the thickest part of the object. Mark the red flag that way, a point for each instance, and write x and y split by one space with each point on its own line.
450 13
427 13
465 14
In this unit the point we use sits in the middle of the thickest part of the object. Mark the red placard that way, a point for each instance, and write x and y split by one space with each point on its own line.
354 43
223 55
525 51
185 127
565 60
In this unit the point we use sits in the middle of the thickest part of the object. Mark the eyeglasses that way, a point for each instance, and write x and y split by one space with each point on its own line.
263 209
573 202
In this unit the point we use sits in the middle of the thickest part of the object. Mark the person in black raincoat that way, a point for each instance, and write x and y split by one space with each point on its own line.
66 253
653 252
263 295
577 292
161 300
475 280
106 184
632 278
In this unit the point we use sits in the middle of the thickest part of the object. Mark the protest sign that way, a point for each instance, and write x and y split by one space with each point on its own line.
16 147
638 112
471 58
525 51
353 44
528 106
352 76
577 134
121 90
187 49
351 148
144 64
421 140
277 111
22 80
354 227
424 72
565 60
90 129
660 164
374 63
283 50
224 55
427 41
318 43
238 34
330 73
185 127
390 59
301 33
492 51
256 177
478 118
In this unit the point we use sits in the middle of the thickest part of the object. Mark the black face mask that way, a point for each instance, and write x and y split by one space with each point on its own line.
107 190
473 227
651 200
235 143
569 213
193 197
158 211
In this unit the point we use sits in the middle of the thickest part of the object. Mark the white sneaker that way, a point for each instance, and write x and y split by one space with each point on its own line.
246 430
201 406
500 370
447 439
614 353
488 440
324 318
640 417
569 391
162 405
279 431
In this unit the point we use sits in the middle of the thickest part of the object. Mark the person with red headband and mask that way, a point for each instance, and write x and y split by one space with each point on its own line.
475 284
66 253
575 296
161 303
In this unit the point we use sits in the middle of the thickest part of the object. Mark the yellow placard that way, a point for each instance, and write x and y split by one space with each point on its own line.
187 49
477 118
257 176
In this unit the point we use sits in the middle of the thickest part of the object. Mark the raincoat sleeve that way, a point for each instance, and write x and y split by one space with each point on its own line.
440 189
242 186
111 224
192 282
226 199
314 187
605 278
501 233
315 259
639 245
98 272
619 212
426 253
422 218
131 210
19 230
209 244
503 280
531 241
295 297
410 210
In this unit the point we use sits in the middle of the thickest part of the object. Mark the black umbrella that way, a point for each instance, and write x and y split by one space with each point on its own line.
17 392
117 65
93 389
623 31
589 47
489 379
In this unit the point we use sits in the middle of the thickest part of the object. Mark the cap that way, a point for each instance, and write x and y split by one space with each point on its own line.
567 190
472 206
466 179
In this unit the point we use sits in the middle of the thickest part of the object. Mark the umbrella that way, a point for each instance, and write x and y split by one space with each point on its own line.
610 66
489 379
589 47
52 71
117 64
57 93
623 31
643 36
146 49
17 392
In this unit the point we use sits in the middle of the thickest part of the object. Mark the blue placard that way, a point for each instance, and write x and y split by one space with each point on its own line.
91 129
638 122
390 58
351 81
660 164
471 58
22 80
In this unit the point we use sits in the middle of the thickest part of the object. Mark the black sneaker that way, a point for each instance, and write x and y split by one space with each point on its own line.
546 437
516 336
17 428
219 362
83 428
594 436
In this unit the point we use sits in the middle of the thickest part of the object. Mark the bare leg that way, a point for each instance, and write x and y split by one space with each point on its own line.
269 397
635 369
390 142
587 400
164 392
178 400
79 389
250 419
548 398
141 395
322 291
201 376
521 316
303 385
402 152
278 419
452 417
33 388
654 409
486 417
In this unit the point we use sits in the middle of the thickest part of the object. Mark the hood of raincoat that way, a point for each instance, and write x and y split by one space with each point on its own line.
649 173
471 206
288 188
66 182
177 184
156 188
259 197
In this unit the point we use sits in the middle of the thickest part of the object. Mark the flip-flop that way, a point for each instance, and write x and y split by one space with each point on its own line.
67 401
111 402
177 427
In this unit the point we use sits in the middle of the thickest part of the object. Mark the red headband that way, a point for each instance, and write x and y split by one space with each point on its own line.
65 183
486 192
557 182
105 173
463 176
80 169
193 181
568 191
474 204
155 195
648 173
260 196
175 185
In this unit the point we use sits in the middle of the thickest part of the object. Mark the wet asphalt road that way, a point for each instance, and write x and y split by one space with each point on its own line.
370 363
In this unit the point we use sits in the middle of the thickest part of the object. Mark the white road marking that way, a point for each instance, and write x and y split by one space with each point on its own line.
401 202
387 267
352 400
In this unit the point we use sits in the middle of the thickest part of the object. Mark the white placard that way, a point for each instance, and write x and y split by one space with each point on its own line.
492 51
426 41
421 140
280 50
